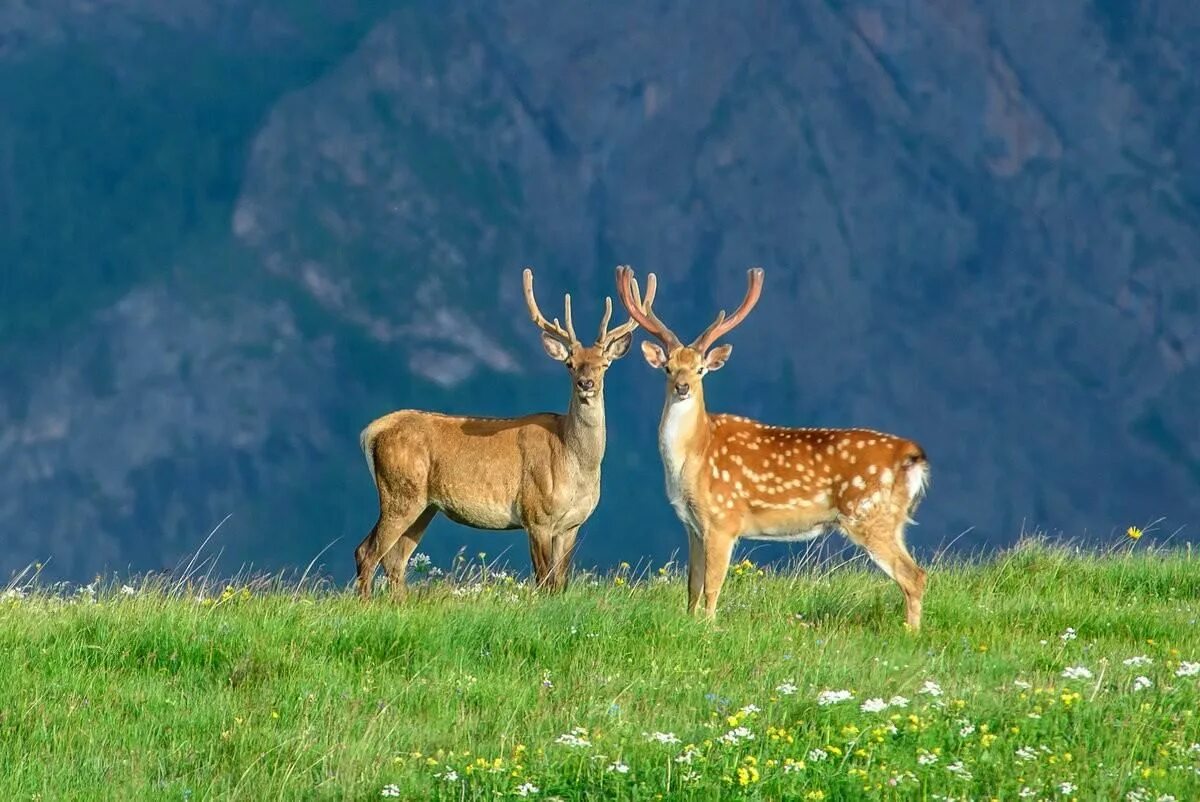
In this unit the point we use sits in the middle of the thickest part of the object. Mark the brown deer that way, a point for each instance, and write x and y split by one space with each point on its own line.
730 477
540 473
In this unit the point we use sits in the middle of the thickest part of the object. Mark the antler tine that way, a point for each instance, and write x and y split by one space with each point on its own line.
642 312
603 335
535 314
567 318
723 325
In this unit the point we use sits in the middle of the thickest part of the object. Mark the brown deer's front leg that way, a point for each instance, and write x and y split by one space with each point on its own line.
541 543
562 551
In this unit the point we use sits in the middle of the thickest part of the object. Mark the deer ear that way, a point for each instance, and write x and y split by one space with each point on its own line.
654 354
717 357
555 347
615 349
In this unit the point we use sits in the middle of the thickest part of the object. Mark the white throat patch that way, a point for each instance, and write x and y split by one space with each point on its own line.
677 417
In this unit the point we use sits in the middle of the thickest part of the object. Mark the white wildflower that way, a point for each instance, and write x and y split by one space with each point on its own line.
1137 661
931 688
736 736
687 755
1026 792
527 789
786 689
576 738
1068 635
875 705
1166 798
926 758
750 710
1076 672
959 770
817 755
1187 669
966 730
826 698
12 594
898 701
420 563
1067 788
618 767
1138 794
1022 684
128 590
1142 683
662 737
1026 753
449 775
390 790
690 776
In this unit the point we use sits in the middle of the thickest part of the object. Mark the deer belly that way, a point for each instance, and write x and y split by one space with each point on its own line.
474 495
786 535
479 513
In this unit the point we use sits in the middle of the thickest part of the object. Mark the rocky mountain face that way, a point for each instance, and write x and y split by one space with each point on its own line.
233 235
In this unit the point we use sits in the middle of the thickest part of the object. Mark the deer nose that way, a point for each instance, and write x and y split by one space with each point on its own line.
585 384
682 390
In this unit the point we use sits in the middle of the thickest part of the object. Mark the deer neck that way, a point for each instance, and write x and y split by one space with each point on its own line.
682 433
583 431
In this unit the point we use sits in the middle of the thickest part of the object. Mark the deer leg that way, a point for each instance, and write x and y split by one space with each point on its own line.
561 552
394 521
884 542
540 548
718 550
695 570
395 559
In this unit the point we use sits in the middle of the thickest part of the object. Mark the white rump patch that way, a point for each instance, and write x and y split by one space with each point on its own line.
917 477
366 441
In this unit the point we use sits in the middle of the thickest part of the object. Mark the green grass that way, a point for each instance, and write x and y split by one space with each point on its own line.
261 693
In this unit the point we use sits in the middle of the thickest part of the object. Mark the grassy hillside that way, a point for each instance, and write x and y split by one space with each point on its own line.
1042 674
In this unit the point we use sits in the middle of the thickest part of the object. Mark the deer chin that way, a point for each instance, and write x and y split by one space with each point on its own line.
586 396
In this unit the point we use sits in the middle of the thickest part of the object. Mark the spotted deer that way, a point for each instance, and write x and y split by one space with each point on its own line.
729 477
540 473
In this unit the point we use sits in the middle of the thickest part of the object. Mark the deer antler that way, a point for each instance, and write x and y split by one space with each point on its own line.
643 312
566 335
607 336
723 325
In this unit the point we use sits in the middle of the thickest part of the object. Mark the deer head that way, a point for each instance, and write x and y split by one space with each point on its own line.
587 364
684 365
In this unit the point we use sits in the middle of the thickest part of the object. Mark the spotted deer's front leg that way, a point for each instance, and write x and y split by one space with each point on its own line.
695 569
718 551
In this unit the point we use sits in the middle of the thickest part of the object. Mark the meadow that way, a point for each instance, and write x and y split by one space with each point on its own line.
1041 673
